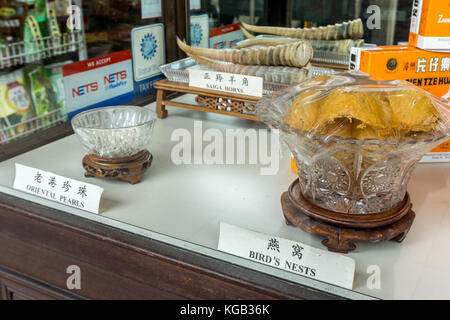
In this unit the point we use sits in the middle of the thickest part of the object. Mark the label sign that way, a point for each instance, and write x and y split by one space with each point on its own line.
436 156
57 188
226 82
288 255
98 82
149 53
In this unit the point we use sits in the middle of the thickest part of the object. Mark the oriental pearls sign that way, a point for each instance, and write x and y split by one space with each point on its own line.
57 188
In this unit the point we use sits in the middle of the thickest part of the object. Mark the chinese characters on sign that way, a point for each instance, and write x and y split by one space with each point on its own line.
287 255
433 64
427 66
226 82
273 245
57 188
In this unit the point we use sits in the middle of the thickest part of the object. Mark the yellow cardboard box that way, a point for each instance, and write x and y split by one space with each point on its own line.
426 69
430 25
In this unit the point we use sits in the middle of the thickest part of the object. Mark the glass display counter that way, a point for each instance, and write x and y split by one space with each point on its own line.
181 206
159 238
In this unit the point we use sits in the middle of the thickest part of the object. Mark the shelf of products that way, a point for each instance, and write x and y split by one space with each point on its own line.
19 53
37 38
16 131
31 98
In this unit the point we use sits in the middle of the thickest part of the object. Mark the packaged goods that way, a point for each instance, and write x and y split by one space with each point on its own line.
53 26
15 104
12 17
430 25
60 6
40 13
356 139
36 27
425 69
55 75
41 92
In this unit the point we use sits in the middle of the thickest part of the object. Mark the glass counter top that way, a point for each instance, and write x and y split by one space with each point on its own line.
183 205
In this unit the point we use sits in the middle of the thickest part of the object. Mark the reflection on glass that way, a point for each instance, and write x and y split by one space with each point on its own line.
392 17
215 23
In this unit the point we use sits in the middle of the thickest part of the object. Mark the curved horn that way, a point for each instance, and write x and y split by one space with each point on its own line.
264 42
219 66
210 53
352 29
280 31
295 54
247 34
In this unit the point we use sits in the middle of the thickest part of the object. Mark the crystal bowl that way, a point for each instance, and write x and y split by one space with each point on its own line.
354 176
345 174
114 132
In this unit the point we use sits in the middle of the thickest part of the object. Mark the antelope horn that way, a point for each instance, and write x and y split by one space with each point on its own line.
247 34
295 54
267 42
268 30
350 29
342 46
273 74
210 63
210 53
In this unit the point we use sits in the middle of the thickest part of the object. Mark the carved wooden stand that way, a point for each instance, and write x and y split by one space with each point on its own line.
236 105
341 230
130 169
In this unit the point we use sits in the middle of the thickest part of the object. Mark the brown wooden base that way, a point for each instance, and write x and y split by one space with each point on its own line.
236 105
339 237
130 169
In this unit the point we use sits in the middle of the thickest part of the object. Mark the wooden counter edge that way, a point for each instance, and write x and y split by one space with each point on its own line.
143 268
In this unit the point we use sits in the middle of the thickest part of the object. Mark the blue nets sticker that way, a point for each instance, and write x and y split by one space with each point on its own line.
148 46
196 34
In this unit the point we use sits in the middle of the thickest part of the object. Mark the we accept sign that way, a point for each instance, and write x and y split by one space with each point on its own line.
98 82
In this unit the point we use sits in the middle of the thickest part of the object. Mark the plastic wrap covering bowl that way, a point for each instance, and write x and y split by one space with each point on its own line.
356 140
115 132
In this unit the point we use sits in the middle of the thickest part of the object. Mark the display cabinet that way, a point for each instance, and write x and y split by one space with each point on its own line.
159 238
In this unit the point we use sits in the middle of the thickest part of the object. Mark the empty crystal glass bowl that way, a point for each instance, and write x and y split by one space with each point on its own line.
115 132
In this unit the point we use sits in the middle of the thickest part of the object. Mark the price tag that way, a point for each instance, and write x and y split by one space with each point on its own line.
226 82
57 188
288 255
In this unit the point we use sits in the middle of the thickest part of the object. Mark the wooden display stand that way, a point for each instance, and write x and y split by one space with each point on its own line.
341 230
130 169
230 104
